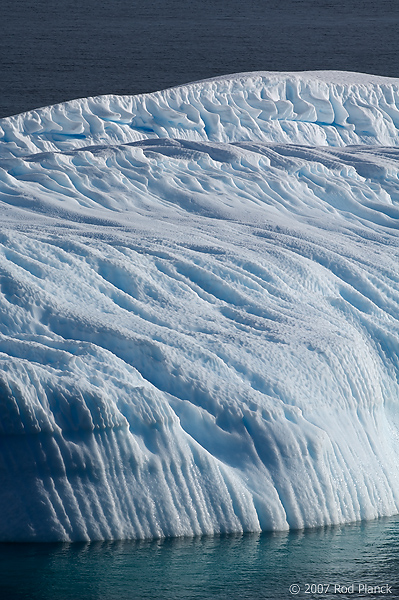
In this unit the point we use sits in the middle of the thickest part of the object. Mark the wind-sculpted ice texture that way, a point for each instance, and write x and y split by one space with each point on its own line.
199 296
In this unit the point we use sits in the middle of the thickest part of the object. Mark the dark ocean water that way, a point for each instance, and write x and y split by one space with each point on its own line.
338 563
53 51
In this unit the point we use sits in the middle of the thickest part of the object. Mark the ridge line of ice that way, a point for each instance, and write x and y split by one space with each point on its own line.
317 108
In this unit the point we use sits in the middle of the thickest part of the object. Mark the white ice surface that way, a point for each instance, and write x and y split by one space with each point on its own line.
199 295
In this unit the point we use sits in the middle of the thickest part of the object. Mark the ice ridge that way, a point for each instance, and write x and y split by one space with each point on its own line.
313 108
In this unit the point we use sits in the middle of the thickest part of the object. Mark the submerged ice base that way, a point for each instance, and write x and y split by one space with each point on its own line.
199 293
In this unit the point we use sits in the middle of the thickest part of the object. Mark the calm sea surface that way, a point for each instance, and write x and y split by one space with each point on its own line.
352 561
53 51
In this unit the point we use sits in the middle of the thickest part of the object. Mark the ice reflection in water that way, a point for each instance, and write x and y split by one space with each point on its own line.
252 566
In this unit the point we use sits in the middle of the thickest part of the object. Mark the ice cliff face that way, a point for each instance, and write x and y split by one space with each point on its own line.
199 295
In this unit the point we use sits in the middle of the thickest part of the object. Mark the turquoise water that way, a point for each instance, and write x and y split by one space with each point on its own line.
324 563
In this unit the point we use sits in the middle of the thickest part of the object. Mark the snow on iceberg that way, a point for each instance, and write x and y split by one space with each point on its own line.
199 296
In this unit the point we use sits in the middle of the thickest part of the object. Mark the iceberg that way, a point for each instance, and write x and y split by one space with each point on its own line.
199 309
